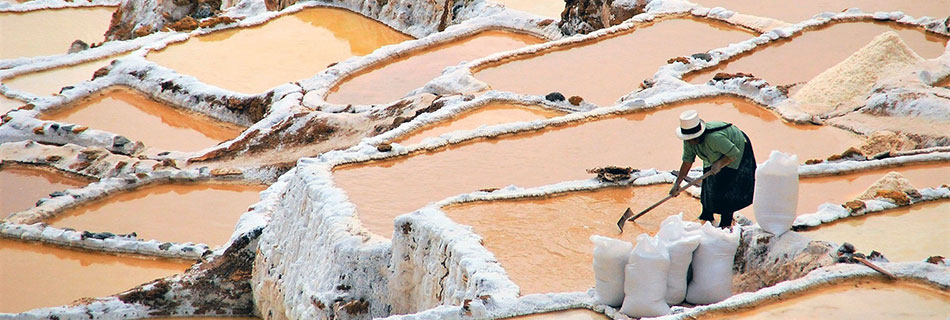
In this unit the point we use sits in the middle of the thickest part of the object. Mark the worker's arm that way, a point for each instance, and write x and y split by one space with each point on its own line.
719 164
684 169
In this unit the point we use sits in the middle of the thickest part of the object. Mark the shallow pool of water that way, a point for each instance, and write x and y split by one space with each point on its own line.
125 111
544 8
904 234
290 48
52 81
7 104
544 244
855 300
384 189
199 213
603 70
51 31
573 314
801 58
36 275
483 116
21 187
795 11
394 79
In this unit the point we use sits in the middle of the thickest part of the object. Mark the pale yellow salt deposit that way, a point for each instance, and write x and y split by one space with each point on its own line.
891 181
852 78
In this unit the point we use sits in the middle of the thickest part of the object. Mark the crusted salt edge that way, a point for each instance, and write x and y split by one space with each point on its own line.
830 212
101 308
54 4
844 167
259 214
19 66
21 127
318 87
934 276
72 238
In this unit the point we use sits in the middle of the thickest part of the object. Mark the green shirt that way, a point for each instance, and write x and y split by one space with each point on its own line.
729 141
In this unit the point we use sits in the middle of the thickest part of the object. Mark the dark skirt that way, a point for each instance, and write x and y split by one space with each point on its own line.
730 190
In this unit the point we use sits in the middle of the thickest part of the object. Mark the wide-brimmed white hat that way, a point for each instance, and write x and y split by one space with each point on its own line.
691 126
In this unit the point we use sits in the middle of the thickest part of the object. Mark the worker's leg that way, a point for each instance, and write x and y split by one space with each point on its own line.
726 220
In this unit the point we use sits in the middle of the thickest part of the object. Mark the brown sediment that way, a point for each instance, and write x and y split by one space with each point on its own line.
573 314
943 83
605 69
861 299
36 275
904 234
21 187
804 56
252 60
544 8
394 79
129 113
384 189
200 213
543 243
52 81
51 31
483 116
795 11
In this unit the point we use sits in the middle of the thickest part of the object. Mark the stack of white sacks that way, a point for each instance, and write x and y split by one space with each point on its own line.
645 281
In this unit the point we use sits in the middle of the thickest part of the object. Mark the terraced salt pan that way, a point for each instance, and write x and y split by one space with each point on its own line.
804 56
574 314
50 32
796 11
199 213
286 49
393 80
815 191
543 243
36 275
21 187
382 190
603 70
7 104
904 234
129 113
855 300
484 116
48 82
544 8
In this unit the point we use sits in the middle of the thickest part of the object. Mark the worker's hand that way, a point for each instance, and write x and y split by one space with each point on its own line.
715 168
675 190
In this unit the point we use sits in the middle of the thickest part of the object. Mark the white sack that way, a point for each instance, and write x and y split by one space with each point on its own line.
610 258
680 238
712 265
776 193
645 281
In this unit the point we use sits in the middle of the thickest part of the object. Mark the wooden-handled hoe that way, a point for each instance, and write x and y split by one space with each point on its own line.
628 214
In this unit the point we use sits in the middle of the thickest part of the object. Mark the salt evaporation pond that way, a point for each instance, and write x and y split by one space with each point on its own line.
36 275
904 234
603 70
382 190
855 300
573 314
394 79
795 11
484 116
838 189
290 48
544 8
49 82
7 104
544 244
21 187
58 27
200 213
807 54
125 111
